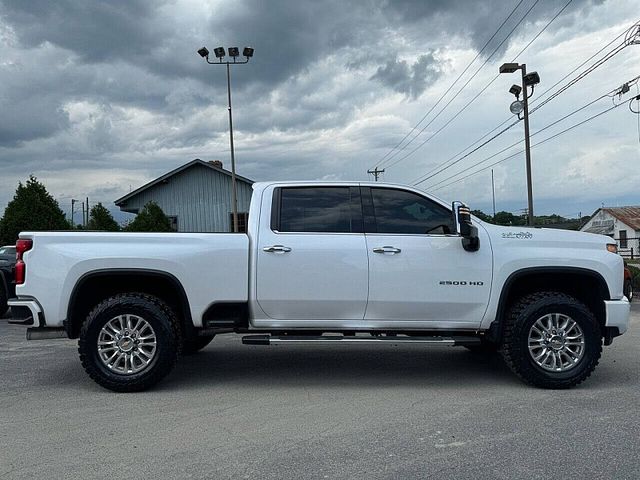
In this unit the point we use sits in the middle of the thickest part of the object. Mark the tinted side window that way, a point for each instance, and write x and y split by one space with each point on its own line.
398 211
315 209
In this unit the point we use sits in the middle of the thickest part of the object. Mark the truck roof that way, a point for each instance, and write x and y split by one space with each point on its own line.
261 186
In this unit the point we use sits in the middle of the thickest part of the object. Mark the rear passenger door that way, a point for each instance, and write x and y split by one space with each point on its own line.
312 257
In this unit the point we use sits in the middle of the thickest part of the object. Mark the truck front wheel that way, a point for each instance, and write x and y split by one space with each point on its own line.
129 342
551 340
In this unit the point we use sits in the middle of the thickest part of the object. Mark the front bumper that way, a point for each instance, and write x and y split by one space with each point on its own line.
26 311
617 314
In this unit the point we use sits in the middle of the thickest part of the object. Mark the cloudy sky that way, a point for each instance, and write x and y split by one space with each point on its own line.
98 98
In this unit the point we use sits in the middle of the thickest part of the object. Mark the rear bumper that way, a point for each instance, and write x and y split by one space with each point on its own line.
617 312
26 311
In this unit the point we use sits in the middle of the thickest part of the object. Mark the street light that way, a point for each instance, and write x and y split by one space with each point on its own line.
522 106
234 53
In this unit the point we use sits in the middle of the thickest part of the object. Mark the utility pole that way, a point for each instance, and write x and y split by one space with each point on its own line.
493 190
375 172
73 202
517 107
527 143
86 222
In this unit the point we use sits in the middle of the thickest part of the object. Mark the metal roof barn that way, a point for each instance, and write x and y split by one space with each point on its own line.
196 197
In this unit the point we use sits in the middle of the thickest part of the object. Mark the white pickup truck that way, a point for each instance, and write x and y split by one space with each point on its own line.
330 263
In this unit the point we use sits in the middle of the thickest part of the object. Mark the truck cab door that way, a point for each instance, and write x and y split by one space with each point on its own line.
311 257
419 273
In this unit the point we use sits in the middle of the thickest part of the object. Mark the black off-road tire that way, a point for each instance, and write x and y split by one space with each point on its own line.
628 290
168 341
195 344
515 350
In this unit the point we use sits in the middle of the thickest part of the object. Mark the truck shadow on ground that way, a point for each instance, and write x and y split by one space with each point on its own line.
326 367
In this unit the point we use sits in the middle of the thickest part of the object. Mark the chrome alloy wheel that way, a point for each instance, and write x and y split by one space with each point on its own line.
556 342
127 344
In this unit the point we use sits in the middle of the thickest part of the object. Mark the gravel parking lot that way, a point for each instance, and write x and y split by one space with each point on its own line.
236 411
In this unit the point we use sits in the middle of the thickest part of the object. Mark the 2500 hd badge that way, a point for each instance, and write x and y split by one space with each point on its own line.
460 283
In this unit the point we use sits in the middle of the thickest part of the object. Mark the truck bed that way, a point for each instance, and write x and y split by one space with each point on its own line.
58 260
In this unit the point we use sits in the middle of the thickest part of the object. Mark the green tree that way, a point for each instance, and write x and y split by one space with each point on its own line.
507 218
482 216
32 208
150 219
101 219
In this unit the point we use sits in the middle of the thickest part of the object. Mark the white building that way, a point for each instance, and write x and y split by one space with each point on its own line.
621 224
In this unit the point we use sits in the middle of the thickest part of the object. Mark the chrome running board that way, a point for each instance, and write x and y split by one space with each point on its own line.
379 340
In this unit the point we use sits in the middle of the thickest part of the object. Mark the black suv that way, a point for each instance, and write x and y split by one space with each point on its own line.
8 253
7 288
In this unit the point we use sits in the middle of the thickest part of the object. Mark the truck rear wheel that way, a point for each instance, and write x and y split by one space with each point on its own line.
628 290
129 342
551 340
193 345
3 302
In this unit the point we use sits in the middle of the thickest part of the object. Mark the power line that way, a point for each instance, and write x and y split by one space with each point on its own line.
514 59
452 85
455 96
631 37
483 90
608 94
536 144
430 175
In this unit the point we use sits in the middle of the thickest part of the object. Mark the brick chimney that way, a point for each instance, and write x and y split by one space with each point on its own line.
216 163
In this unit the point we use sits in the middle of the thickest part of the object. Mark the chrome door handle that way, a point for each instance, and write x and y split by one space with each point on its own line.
277 248
387 249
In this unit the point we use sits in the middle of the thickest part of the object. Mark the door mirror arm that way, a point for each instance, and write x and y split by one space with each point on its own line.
465 227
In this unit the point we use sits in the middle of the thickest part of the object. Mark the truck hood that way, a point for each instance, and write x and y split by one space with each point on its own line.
546 237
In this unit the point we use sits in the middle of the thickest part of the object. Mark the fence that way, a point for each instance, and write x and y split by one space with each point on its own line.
625 248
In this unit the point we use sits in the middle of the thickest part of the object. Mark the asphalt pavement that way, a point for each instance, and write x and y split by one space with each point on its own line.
339 412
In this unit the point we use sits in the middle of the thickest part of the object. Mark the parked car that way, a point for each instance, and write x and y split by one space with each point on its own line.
8 253
7 287
628 283
327 263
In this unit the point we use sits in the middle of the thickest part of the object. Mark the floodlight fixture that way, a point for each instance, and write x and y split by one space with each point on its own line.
234 52
247 52
517 107
516 90
509 67
531 79
204 53
218 52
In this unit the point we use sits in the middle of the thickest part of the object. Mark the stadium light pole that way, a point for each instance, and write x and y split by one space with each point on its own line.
517 107
234 53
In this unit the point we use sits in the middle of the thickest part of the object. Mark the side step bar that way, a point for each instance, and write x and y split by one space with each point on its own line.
381 340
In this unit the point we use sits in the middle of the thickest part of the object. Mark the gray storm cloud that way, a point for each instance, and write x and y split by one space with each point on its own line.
89 86
411 80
